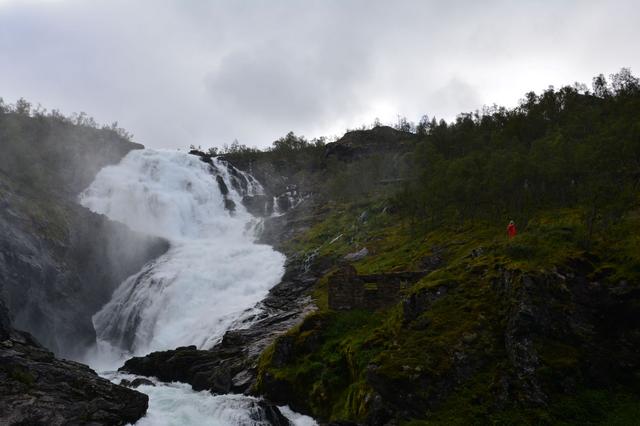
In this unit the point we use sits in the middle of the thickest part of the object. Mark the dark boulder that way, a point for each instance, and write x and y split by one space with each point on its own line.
258 205
229 204
265 411
38 389
140 381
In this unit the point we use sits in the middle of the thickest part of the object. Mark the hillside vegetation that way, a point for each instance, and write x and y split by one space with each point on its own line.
539 329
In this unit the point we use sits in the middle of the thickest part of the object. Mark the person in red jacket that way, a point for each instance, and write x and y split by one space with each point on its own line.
511 229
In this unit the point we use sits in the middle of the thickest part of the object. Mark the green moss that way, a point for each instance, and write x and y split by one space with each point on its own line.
320 293
40 210
332 354
23 376
333 350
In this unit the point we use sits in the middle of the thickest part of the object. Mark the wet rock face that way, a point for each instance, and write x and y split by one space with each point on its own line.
5 322
598 326
138 381
56 271
38 389
263 411
59 263
258 205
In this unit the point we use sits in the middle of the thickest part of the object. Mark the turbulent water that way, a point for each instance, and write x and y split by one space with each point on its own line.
213 271
211 277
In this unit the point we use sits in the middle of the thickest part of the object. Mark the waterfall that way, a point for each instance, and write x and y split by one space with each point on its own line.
213 272
209 280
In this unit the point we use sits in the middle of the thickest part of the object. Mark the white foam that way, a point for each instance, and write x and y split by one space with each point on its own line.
211 275
177 404
210 279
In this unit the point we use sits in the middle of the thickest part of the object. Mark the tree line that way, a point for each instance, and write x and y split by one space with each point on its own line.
569 147
24 108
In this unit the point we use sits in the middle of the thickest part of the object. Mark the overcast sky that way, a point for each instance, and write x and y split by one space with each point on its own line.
176 73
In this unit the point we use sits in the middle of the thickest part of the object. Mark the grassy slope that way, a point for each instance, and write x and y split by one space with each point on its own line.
330 373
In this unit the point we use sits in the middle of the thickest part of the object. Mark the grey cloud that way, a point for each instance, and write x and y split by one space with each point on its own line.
285 84
176 73
455 96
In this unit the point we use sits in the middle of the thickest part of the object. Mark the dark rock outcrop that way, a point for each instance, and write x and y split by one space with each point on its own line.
590 326
264 411
138 381
280 229
222 186
258 205
361 143
38 389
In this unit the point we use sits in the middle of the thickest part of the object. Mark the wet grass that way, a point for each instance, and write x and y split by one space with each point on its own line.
335 350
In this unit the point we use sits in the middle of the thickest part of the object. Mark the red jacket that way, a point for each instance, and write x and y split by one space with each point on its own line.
511 230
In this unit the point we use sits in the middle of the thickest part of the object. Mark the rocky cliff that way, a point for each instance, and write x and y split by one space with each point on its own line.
59 263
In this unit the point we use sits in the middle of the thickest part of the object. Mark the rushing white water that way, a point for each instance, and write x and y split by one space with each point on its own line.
213 272
176 404
209 280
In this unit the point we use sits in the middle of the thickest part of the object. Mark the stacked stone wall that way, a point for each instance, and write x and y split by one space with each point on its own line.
348 290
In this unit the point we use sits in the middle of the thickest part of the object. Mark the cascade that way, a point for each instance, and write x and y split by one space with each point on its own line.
213 272
208 281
